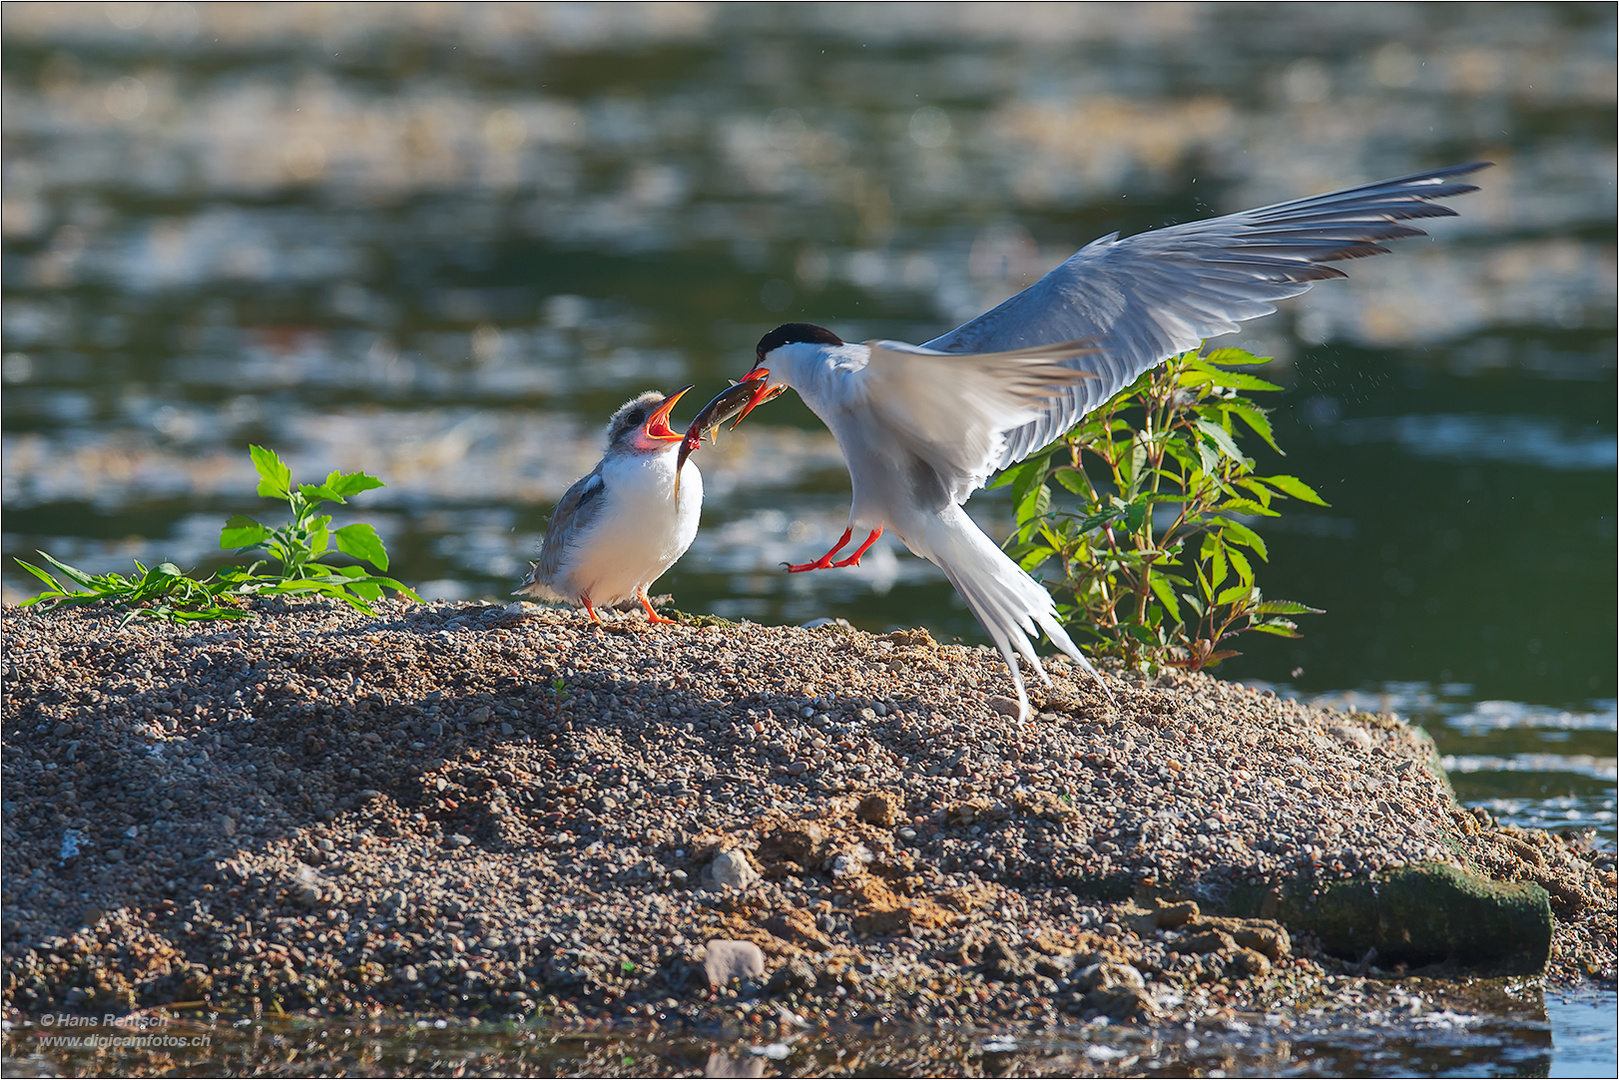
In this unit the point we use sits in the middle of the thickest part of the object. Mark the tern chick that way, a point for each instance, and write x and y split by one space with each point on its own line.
617 530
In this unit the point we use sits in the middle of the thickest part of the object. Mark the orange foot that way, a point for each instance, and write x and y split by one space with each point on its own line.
825 561
651 616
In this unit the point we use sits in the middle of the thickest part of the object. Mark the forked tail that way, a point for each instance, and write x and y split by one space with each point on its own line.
1011 605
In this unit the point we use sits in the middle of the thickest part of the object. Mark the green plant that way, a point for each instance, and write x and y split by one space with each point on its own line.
162 592
306 540
1156 558
301 547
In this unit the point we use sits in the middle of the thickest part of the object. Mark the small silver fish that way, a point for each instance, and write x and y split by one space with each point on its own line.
732 401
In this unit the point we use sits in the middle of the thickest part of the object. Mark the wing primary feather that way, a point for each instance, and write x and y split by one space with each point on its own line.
1139 300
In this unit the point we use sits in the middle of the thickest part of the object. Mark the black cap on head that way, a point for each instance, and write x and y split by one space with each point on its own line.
789 333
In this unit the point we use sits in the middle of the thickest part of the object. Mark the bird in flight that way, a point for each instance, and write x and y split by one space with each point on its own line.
922 427
618 529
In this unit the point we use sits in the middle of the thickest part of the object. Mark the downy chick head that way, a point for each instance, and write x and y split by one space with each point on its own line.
641 424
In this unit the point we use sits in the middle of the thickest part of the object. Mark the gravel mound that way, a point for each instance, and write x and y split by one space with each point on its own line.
458 809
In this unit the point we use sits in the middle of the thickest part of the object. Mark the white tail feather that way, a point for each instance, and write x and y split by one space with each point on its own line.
1007 602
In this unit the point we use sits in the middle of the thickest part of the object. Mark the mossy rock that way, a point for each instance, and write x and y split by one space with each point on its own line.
1428 914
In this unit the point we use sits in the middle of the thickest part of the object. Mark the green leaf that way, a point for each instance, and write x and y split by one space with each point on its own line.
241 531
1233 593
275 477
1256 419
1213 552
363 543
319 536
1239 380
349 484
1133 466
1017 472
1105 516
41 575
1034 557
1034 504
1285 607
1135 515
1247 506
1141 633
1072 480
1279 627
1233 356
1292 485
366 589
1161 589
72 573
1208 457
1221 439
1261 492
315 494
1242 534
1239 563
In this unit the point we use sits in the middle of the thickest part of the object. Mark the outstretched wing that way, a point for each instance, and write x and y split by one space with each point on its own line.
1147 297
954 410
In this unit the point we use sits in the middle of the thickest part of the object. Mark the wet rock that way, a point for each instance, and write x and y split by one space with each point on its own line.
1247 963
1421 915
1115 990
727 960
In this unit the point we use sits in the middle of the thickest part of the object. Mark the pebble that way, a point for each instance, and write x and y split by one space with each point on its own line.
733 869
727 960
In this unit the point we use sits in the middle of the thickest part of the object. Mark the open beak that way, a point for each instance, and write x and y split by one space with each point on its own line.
726 404
762 393
657 425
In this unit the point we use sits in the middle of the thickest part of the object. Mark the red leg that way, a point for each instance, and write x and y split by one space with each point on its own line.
854 560
651 616
825 561
585 600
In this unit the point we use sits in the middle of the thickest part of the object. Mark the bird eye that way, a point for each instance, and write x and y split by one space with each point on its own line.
636 416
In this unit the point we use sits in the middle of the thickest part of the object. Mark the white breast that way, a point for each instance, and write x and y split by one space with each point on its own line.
640 532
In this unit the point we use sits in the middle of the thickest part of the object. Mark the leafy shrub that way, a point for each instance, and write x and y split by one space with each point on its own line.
300 546
1157 554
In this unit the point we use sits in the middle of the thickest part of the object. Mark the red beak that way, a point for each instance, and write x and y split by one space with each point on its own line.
657 425
761 394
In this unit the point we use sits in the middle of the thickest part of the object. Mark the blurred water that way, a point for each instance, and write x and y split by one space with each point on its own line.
1490 1028
441 243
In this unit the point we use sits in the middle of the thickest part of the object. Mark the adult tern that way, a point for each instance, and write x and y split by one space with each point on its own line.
921 427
